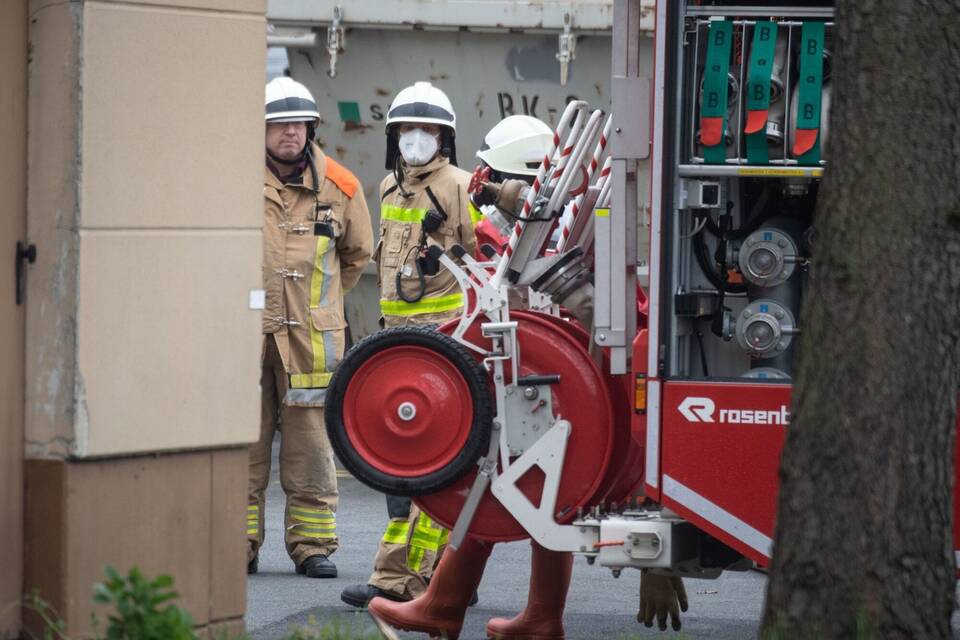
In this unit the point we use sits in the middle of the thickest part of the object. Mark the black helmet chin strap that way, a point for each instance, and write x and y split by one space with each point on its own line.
399 176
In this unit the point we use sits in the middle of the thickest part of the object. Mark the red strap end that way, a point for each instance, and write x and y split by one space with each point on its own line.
804 141
756 120
711 131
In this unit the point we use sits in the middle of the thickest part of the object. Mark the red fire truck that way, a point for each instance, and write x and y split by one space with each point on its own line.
563 406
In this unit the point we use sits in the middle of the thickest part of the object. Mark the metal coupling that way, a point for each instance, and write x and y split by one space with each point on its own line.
567 48
287 273
298 228
336 40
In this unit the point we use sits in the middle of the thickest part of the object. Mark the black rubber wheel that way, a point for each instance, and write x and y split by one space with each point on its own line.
339 394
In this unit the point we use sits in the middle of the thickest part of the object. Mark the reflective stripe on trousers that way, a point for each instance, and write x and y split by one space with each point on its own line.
253 519
313 522
426 537
396 532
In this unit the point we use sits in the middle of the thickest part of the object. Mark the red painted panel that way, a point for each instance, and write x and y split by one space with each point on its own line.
711 444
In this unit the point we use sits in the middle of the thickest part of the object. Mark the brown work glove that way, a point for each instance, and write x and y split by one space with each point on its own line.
507 195
486 195
512 193
660 595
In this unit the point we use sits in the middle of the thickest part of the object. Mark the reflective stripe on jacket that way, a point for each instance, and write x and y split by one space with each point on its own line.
401 213
315 246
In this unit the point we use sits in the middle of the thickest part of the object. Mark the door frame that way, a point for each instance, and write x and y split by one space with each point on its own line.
13 227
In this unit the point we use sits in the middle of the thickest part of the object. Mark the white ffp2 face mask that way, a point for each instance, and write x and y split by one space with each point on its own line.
418 147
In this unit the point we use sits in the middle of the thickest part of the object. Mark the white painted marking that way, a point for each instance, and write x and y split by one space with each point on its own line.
697 409
717 516
653 433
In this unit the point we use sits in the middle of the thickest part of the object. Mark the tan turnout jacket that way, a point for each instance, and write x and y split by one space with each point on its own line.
400 218
316 244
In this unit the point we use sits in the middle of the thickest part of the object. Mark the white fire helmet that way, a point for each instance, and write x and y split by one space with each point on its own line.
289 101
425 104
422 102
516 145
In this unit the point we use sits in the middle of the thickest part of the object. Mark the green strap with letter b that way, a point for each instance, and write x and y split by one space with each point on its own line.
762 52
806 146
713 106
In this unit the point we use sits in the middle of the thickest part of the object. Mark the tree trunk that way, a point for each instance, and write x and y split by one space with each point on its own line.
864 540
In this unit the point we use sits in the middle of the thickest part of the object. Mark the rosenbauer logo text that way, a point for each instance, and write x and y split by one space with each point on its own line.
704 409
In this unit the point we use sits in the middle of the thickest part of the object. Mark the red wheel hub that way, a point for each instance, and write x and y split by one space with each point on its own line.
581 397
408 411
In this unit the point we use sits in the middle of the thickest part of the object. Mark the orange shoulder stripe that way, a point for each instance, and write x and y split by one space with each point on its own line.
340 176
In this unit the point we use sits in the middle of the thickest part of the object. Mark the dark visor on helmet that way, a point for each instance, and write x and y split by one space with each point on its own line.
291 104
420 110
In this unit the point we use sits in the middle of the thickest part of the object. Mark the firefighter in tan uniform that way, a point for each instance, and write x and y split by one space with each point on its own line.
317 239
423 202
513 150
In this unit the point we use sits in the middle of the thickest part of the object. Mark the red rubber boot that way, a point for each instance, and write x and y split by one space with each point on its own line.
440 610
550 573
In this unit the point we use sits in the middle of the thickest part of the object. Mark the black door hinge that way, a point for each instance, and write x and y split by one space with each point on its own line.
26 252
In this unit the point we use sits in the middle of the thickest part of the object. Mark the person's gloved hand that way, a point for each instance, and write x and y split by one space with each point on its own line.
511 195
661 595
486 195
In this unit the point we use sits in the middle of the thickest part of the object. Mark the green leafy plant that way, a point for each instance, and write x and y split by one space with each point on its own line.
142 608
53 625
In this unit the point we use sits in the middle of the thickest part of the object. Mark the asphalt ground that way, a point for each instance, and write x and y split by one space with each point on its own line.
598 605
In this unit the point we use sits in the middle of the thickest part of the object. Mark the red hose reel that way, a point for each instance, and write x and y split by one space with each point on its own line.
410 410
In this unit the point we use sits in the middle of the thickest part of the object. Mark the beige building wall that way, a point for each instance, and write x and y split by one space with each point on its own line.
144 338
144 200
172 514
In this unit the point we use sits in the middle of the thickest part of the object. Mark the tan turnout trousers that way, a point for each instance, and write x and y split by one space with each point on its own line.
307 472
408 552
411 545
316 242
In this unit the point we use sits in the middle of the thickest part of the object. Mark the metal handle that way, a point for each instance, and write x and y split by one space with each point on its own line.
26 252
536 380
